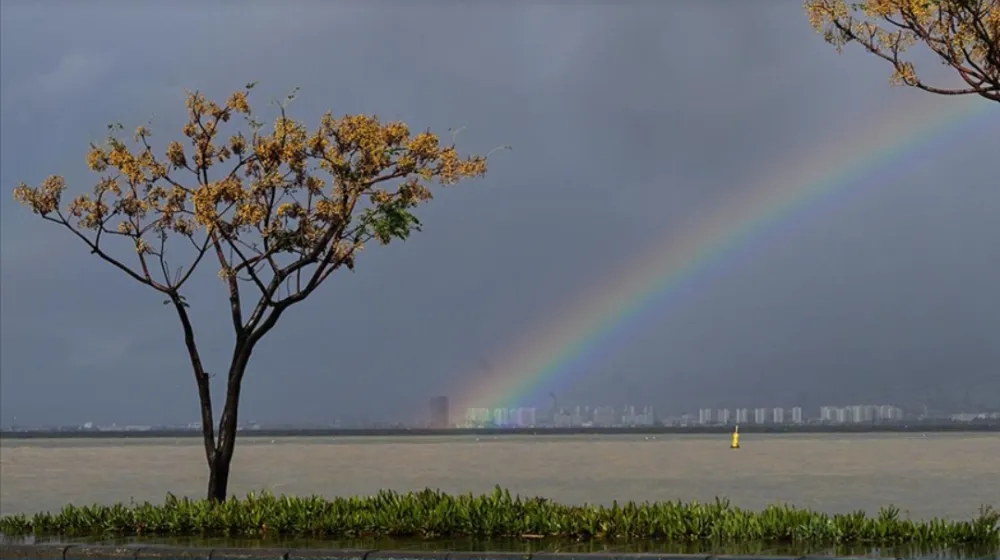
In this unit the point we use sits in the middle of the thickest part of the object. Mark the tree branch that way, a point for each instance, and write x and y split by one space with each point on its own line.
235 307
200 376
95 249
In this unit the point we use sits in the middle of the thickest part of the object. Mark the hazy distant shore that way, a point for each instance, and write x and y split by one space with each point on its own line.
396 432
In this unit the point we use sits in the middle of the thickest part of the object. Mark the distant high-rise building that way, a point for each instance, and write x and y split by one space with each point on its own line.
742 416
440 413
857 413
892 413
562 419
645 417
521 417
705 416
605 416
869 413
500 417
843 415
722 415
796 414
779 415
759 415
478 416
828 414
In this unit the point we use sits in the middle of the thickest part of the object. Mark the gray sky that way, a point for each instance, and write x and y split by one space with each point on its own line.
624 118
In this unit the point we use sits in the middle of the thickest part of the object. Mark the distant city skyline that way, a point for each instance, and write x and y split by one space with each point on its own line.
440 417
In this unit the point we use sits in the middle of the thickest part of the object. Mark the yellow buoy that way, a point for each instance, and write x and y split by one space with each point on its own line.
736 438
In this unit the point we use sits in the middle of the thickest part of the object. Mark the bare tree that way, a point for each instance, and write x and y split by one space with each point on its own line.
290 207
964 34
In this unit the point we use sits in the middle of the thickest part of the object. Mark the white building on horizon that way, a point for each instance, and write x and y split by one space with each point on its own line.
759 415
722 416
705 416
742 415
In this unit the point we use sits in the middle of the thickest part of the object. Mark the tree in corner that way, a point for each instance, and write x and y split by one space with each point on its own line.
290 207
964 34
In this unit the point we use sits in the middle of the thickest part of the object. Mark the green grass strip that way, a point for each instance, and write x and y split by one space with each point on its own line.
433 514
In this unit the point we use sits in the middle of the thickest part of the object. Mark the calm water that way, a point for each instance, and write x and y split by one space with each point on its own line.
550 545
948 475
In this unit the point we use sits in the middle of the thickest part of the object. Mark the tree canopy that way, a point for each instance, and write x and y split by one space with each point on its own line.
278 209
964 34
272 215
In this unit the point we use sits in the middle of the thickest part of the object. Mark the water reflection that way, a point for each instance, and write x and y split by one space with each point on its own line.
550 545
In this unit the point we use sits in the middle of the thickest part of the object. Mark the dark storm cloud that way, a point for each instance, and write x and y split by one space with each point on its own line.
623 118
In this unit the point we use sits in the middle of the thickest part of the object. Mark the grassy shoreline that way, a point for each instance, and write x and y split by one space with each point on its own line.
431 514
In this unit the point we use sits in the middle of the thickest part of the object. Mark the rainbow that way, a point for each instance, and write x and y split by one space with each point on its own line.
560 349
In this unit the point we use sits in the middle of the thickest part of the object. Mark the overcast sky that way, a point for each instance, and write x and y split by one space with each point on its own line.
623 117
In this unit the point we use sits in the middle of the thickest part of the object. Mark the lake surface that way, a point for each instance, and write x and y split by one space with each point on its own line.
788 550
946 475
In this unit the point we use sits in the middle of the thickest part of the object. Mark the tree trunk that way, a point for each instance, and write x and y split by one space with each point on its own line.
219 446
221 459
218 477
202 379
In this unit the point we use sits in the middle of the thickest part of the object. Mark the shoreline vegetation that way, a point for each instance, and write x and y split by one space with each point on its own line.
911 428
431 514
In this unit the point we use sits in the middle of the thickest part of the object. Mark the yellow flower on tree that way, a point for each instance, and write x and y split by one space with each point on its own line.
963 34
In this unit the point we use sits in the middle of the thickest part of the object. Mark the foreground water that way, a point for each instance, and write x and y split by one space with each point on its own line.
946 475
532 546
